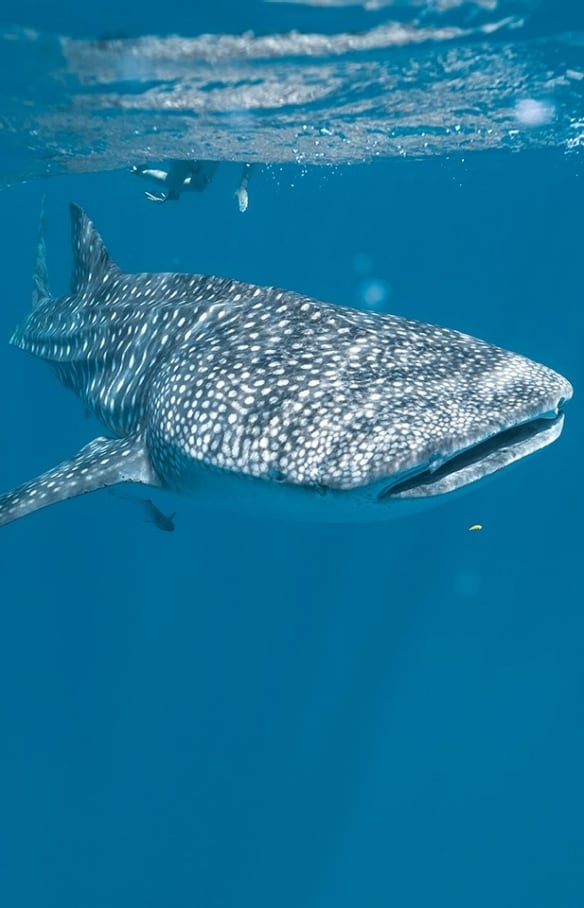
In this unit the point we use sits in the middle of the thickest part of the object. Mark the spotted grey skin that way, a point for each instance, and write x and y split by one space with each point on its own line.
270 399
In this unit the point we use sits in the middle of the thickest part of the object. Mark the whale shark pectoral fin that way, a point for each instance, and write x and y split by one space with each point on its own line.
103 462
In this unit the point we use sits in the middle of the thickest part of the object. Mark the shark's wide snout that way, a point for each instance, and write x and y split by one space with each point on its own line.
529 399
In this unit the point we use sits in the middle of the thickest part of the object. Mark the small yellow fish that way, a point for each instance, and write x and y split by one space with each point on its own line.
475 527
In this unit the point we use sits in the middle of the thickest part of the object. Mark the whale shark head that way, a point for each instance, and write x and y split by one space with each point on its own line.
201 381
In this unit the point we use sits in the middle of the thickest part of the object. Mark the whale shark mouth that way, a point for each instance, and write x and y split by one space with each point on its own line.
480 460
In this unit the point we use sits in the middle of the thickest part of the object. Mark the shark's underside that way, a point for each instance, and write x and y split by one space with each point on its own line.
270 399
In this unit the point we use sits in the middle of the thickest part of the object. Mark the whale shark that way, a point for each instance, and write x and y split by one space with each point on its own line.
265 399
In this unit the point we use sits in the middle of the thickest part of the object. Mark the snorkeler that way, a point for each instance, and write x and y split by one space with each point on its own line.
188 176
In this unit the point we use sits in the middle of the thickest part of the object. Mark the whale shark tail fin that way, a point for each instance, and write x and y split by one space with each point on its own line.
92 262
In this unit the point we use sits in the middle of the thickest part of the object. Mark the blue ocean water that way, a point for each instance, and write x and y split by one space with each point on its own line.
258 713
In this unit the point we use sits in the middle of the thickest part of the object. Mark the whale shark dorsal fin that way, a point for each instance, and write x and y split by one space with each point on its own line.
91 260
101 463
40 278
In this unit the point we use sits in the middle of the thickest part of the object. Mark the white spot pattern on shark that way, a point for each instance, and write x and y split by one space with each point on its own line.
203 380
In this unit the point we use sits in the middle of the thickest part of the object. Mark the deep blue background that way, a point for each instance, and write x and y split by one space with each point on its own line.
267 714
